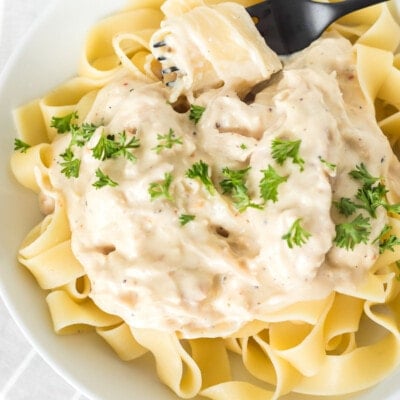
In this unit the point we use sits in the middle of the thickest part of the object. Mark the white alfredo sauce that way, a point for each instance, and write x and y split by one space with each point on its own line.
225 268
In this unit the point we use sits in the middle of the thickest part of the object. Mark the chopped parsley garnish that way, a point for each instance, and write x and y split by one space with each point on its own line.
389 243
284 149
297 235
361 174
328 164
81 134
20 145
186 218
167 141
386 241
269 184
394 208
108 147
243 146
161 189
200 170
71 164
234 184
385 230
103 180
125 145
63 124
105 147
346 206
371 198
196 112
348 234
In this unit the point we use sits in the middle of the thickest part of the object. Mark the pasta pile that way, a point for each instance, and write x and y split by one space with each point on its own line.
315 348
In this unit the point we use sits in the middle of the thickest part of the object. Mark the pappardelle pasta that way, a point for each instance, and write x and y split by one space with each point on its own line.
186 219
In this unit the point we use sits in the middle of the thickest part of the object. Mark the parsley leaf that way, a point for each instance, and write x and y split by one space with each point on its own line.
63 124
161 189
371 198
167 141
389 243
234 184
385 230
328 164
372 194
125 145
70 165
284 149
348 234
200 171
81 134
103 180
297 235
386 242
107 147
394 208
21 145
269 184
186 218
361 174
346 206
196 112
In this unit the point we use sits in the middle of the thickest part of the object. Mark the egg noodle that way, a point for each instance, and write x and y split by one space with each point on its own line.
316 347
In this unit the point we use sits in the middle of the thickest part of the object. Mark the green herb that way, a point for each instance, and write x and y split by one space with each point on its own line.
103 180
196 112
389 243
63 124
284 149
297 235
269 184
105 148
373 193
371 198
385 230
81 134
70 165
108 147
348 234
361 174
234 184
21 146
161 189
243 146
186 218
167 141
200 171
346 206
386 242
394 208
125 146
327 164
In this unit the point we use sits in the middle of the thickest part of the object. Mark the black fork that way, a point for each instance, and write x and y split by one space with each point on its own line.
291 25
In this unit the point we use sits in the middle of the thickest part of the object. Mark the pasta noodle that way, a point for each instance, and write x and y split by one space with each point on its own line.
311 347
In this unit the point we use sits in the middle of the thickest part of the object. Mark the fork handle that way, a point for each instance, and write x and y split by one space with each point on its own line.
347 6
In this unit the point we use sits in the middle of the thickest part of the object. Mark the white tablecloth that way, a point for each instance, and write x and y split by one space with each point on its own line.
23 373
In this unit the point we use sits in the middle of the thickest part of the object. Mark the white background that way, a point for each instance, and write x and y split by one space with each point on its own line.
23 374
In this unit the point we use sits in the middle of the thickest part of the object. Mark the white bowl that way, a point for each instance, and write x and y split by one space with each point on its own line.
48 56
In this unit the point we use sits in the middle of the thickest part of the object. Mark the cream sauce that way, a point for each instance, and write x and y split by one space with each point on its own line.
225 268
